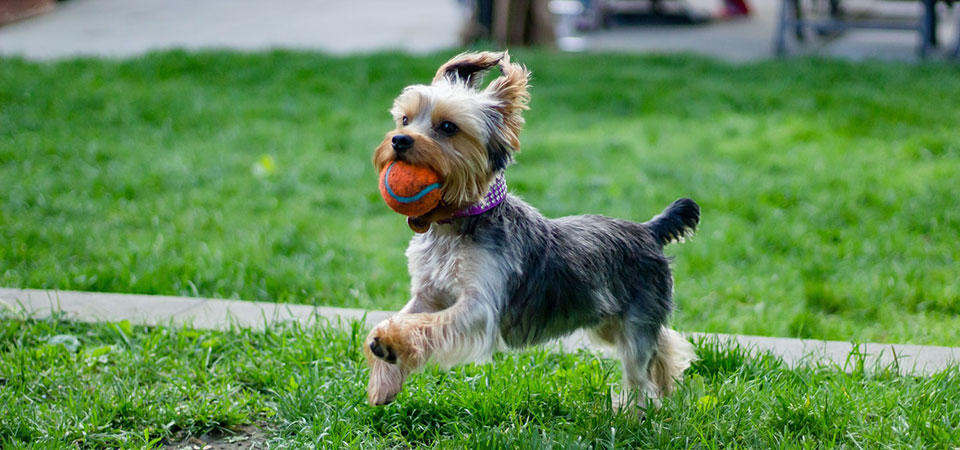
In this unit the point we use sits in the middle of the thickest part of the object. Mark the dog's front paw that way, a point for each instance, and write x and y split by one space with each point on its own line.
382 350
397 341
388 354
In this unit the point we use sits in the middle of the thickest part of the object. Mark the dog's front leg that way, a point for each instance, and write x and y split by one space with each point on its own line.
386 380
406 341
387 377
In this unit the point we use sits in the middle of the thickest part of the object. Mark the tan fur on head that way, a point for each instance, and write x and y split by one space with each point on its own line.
426 152
488 124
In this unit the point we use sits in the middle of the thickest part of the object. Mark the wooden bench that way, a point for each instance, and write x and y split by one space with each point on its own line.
793 20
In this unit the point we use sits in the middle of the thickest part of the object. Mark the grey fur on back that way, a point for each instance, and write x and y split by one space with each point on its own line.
578 271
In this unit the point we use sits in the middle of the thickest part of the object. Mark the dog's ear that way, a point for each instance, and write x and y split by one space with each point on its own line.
511 88
468 68
511 95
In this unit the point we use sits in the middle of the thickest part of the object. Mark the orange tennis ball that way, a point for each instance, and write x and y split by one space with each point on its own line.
408 189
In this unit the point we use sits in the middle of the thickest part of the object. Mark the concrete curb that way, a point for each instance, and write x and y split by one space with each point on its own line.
220 314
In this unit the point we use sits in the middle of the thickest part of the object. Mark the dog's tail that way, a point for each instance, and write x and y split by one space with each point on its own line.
678 221
674 355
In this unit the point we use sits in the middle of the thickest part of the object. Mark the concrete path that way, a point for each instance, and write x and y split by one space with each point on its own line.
121 28
220 314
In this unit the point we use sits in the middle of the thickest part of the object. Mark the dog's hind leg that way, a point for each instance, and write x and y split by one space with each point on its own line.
674 355
637 346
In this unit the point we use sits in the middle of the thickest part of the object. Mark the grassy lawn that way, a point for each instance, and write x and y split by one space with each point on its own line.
829 189
113 385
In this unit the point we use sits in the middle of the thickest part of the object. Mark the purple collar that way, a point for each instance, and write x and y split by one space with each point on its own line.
494 197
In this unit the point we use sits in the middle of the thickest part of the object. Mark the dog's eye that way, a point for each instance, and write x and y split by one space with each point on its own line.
447 128
404 120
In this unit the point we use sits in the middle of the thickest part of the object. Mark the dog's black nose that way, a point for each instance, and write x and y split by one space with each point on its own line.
402 142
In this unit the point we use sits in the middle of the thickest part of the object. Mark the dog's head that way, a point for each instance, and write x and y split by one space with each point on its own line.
465 133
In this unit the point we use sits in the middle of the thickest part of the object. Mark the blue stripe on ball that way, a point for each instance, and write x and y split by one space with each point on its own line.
411 199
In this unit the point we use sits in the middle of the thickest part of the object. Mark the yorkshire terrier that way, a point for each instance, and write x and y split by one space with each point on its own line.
488 271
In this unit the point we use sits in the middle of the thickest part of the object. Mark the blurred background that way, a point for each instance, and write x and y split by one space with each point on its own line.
730 29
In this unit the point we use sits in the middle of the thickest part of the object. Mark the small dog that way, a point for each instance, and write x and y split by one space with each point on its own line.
488 271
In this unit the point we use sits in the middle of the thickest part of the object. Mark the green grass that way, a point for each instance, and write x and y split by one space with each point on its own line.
829 189
119 386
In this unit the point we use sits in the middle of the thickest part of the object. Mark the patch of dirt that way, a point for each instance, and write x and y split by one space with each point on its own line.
242 437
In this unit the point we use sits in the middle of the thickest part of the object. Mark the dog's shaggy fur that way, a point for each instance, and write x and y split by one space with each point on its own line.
510 277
